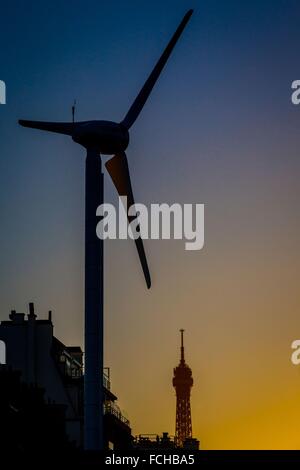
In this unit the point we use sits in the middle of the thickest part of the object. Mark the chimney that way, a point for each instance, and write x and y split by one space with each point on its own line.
50 315
12 314
31 345
16 317
31 311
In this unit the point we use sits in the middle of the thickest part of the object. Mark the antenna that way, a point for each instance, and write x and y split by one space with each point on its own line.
73 111
182 347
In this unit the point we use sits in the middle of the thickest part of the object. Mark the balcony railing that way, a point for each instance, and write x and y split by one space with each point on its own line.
106 381
110 408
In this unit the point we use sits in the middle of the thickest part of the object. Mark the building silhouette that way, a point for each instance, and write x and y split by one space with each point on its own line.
42 372
183 382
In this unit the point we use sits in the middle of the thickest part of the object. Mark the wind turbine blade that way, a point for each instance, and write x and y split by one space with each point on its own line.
58 127
143 95
118 170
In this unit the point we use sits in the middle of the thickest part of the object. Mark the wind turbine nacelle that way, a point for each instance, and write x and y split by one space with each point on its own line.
104 136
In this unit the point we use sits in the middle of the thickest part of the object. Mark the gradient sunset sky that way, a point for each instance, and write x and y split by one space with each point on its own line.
219 129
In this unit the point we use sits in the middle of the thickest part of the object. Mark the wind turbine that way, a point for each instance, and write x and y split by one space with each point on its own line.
110 138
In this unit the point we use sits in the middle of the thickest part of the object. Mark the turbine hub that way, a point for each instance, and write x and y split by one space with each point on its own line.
106 137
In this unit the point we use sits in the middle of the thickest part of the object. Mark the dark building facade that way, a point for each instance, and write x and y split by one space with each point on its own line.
29 422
